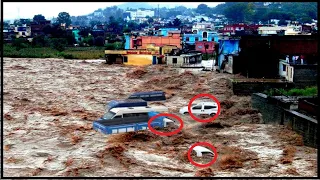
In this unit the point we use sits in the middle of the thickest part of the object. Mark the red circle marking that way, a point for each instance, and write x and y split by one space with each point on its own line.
203 144
204 120
164 133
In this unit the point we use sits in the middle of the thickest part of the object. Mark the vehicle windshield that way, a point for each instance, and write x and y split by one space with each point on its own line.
108 115
107 108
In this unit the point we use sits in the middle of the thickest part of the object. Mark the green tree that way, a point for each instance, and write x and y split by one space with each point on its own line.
39 17
20 43
99 41
64 17
176 22
150 20
40 41
59 44
239 12
282 22
202 9
47 29
17 22
88 40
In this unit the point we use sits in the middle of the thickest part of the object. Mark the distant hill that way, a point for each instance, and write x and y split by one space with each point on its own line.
136 5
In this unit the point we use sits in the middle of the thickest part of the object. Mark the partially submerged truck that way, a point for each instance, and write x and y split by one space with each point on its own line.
126 119
128 124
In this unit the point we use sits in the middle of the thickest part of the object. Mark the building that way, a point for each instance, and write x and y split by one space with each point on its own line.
202 26
269 49
22 31
141 42
184 60
75 32
200 35
36 27
301 75
231 29
166 31
227 54
138 14
272 30
133 57
205 46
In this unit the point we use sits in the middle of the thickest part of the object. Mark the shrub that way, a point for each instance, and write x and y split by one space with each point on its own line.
20 43
99 41
309 91
59 44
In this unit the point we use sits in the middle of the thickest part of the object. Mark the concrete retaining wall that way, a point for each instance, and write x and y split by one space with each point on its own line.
276 112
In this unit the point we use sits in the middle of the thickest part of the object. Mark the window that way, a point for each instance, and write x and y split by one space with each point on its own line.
196 39
197 107
128 115
284 67
125 59
210 107
174 60
108 115
205 34
119 116
187 39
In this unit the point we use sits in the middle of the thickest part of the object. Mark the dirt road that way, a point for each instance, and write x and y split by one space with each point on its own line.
50 104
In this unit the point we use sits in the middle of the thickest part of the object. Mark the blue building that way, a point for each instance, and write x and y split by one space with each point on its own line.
227 47
127 43
200 35
164 31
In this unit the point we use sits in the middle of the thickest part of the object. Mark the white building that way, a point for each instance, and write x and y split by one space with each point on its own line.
141 14
271 30
97 14
22 31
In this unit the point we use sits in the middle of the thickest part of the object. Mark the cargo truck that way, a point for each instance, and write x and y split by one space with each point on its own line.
130 123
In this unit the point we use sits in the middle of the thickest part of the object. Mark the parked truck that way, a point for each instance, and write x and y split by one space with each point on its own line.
130 123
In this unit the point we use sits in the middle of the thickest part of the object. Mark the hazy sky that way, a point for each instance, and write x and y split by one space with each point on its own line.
14 10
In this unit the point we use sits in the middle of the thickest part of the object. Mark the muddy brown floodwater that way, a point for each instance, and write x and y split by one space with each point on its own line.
50 104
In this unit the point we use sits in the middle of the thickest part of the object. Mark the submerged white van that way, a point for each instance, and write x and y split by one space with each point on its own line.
123 112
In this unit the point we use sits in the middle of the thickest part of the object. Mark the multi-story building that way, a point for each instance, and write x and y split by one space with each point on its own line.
23 31
135 15
200 35
141 42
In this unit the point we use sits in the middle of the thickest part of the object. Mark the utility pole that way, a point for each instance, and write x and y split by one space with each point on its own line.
158 13
18 13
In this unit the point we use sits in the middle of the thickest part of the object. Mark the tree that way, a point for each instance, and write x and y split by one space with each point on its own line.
64 17
71 39
150 20
282 22
84 32
59 44
47 29
17 22
202 9
176 22
239 12
88 40
38 18
99 41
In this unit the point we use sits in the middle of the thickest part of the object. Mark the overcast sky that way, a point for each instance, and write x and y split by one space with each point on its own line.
14 10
